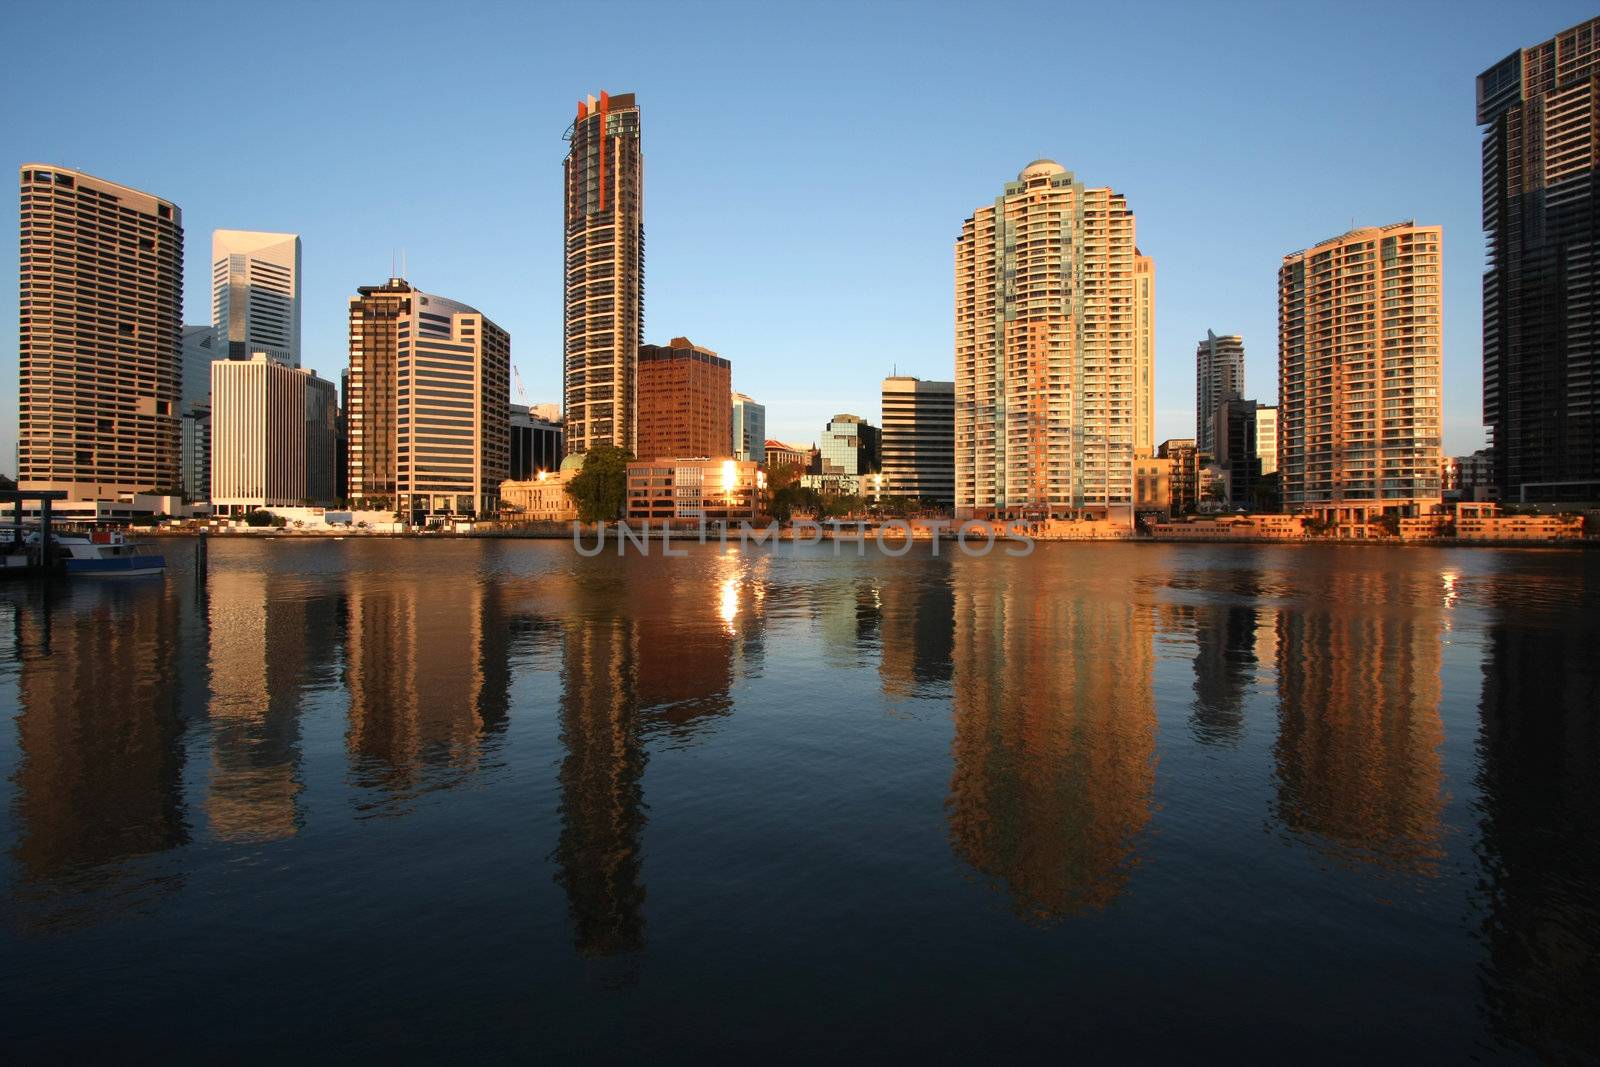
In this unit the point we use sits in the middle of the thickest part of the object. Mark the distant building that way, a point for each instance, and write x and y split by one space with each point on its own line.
255 294
194 457
1238 449
603 222
781 455
536 442
694 488
1144 354
1541 214
685 401
1152 486
851 445
1267 438
1186 461
99 338
542 497
919 439
1358 372
1052 316
1218 376
429 410
273 436
1470 477
749 429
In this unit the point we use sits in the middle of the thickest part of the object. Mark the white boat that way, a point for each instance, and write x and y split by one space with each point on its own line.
106 553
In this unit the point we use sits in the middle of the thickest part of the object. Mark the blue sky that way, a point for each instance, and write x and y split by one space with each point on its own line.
807 165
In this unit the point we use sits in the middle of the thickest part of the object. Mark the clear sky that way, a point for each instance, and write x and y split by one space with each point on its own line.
807 165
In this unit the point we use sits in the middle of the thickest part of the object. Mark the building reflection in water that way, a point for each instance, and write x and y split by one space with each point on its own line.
1055 736
99 729
644 651
1539 779
917 627
1357 757
428 675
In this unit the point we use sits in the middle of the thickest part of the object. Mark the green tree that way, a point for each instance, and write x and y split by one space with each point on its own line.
601 487
781 475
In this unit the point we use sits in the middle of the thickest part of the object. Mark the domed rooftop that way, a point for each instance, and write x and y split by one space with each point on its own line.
1041 167
573 462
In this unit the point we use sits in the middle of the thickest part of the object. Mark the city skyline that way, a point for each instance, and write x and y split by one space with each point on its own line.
818 166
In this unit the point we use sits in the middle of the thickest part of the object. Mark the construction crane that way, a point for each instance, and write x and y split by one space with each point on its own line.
522 394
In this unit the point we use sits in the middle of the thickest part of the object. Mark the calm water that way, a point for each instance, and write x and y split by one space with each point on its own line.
398 798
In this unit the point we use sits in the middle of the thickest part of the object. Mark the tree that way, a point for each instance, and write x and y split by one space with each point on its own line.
601 487
781 475
792 498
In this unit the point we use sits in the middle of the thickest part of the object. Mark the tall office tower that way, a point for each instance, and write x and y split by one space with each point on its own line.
1267 438
1144 354
428 414
1046 350
1218 376
919 439
100 332
749 429
272 430
1358 374
1238 448
685 402
255 294
194 409
1541 214
604 317
851 446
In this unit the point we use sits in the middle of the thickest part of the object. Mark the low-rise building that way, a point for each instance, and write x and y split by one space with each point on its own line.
698 488
1152 486
1483 521
542 498
1252 527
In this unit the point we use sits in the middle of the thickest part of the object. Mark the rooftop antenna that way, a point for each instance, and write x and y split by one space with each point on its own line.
402 263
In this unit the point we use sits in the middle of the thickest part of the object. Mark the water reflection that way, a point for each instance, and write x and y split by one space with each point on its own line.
99 779
1055 736
1359 772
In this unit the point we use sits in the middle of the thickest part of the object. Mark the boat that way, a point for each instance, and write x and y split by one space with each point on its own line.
106 553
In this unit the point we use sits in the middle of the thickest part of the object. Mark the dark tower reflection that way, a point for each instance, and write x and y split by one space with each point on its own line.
918 629
100 778
1357 754
1224 667
1539 776
1055 735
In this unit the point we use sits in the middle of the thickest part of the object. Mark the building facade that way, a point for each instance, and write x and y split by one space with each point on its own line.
1218 376
1047 350
1359 349
1185 461
919 439
603 222
1541 215
851 446
99 337
685 401
1238 449
255 294
779 454
272 436
540 498
536 443
749 429
1267 438
694 488
1144 355
194 408
428 413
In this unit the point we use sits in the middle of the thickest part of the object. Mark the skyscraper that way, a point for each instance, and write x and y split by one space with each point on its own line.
100 332
1358 374
255 294
749 429
429 408
1144 354
604 307
1047 350
919 439
685 401
1218 376
272 434
1541 214
199 351
851 446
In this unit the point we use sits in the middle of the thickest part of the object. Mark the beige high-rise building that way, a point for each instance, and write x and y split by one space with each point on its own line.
1050 290
428 415
1144 368
100 336
604 313
255 294
1359 348
272 435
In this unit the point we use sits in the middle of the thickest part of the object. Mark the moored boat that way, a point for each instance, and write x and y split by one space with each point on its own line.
106 553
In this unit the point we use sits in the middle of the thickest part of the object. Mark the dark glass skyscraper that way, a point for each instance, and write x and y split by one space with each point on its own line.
1541 165
604 227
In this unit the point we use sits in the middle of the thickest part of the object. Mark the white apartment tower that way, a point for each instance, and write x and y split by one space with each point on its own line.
255 294
1054 313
